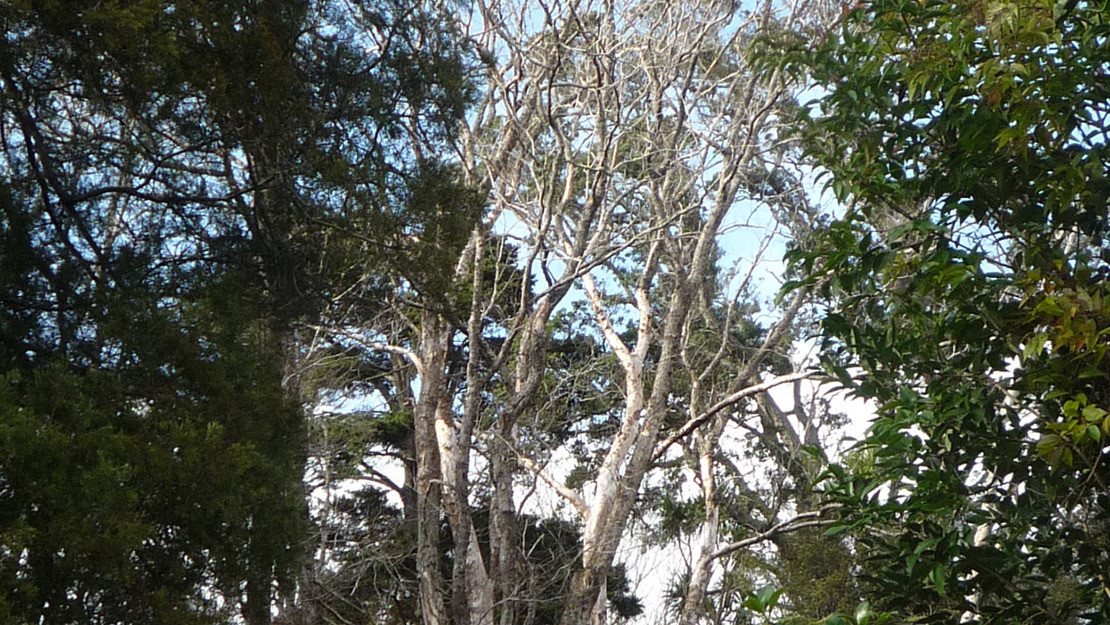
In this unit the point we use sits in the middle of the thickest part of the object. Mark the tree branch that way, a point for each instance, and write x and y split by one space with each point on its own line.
800 521
697 421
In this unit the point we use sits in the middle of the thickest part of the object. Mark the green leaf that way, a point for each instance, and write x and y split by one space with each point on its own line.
937 576
1034 345
1091 373
763 599
1092 412
863 613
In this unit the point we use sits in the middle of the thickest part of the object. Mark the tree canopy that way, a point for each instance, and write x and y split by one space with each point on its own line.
423 312
966 283
170 175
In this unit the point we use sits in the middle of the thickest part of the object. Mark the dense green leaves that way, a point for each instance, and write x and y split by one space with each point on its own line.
181 184
967 281
105 519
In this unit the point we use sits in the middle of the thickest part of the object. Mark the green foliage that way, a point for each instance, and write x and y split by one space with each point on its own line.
816 574
179 184
102 472
763 600
439 214
550 544
371 574
967 282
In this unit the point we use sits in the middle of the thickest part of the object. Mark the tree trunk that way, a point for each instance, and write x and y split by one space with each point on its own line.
693 605
259 592
433 389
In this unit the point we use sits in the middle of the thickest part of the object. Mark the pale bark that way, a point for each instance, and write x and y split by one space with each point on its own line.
701 572
611 134
610 120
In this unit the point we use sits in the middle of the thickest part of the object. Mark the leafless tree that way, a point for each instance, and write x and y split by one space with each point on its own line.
616 145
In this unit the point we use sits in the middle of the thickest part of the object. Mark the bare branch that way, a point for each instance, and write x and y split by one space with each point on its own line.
370 344
798 522
732 399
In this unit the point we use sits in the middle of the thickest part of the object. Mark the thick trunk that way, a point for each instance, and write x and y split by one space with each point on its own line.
632 452
472 601
428 548
587 600
428 474
410 505
630 455
479 588
443 448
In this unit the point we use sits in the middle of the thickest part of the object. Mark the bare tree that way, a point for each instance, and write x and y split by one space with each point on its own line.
615 145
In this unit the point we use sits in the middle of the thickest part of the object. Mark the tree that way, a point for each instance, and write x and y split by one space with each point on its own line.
632 139
967 279
171 175
610 153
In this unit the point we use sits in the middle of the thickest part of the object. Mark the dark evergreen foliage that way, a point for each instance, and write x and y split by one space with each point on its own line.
180 182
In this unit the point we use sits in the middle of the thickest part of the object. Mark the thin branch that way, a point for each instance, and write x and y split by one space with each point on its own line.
540 472
373 345
798 522
697 421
